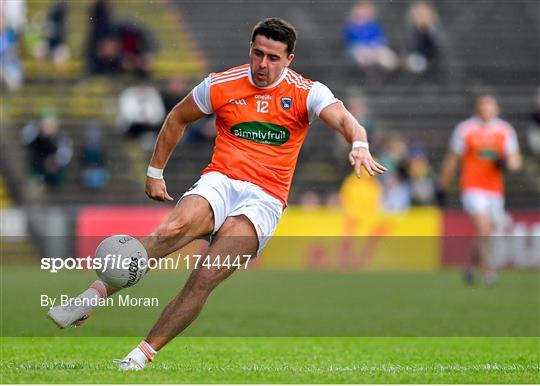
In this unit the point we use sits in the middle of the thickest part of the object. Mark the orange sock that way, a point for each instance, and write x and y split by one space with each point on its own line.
99 286
147 350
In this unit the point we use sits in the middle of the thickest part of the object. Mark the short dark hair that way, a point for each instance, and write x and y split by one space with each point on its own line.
480 92
276 29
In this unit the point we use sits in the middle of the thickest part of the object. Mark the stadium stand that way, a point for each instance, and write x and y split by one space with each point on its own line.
491 44
13 233
5 199
78 99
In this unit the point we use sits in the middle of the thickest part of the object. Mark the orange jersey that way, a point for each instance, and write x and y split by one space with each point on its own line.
482 145
260 130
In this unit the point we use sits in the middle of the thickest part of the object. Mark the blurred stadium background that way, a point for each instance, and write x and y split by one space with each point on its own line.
62 74
387 265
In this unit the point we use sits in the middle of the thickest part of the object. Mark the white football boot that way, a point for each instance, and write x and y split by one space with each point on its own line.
129 364
64 316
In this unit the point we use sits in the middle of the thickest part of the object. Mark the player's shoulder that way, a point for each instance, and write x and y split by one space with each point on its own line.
296 80
229 75
503 126
467 126
298 76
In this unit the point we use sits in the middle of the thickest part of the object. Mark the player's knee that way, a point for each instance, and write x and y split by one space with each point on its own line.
483 225
239 226
484 229
484 232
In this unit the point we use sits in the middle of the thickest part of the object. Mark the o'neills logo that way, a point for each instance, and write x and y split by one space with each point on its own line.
261 132
133 271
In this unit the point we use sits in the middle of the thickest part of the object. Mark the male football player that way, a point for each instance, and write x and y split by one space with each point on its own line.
263 111
485 145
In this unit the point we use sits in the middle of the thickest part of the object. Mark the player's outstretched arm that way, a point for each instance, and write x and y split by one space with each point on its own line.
171 132
339 118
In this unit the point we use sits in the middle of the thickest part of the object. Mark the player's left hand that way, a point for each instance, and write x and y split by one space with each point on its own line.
359 157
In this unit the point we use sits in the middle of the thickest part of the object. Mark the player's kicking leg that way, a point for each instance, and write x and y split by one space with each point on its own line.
236 237
191 219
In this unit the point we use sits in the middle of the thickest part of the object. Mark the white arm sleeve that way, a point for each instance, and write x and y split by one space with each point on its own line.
318 98
457 144
201 95
511 146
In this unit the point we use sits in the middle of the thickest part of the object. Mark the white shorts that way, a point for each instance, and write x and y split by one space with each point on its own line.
229 197
479 201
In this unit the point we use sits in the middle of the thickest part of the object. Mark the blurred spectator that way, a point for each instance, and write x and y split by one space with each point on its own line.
138 47
533 132
310 200
203 130
33 36
55 45
14 12
94 173
422 179
357 105
395 182
332 200
426 36
50 150
200 131
174 92
366 41
99 30
11 71
113 47
141 112
396 194
394 156
108 59
360 197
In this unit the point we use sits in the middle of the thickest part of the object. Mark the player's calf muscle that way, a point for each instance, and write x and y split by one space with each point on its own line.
204 280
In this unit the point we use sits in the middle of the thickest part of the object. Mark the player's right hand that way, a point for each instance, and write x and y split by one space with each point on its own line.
156 189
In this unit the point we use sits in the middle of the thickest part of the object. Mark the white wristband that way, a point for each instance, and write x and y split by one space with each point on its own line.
154 173
363 144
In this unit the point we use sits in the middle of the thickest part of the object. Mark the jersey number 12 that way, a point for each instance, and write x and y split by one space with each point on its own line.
262 106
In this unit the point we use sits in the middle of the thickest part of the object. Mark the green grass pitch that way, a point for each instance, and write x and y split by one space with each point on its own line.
277 360
286 327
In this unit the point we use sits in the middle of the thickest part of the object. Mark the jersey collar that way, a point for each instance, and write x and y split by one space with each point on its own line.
281 77
486 123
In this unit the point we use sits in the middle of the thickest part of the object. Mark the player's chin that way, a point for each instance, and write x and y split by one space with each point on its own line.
260 82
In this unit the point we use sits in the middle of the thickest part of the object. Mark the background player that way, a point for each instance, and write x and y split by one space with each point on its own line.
485 145
263 111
